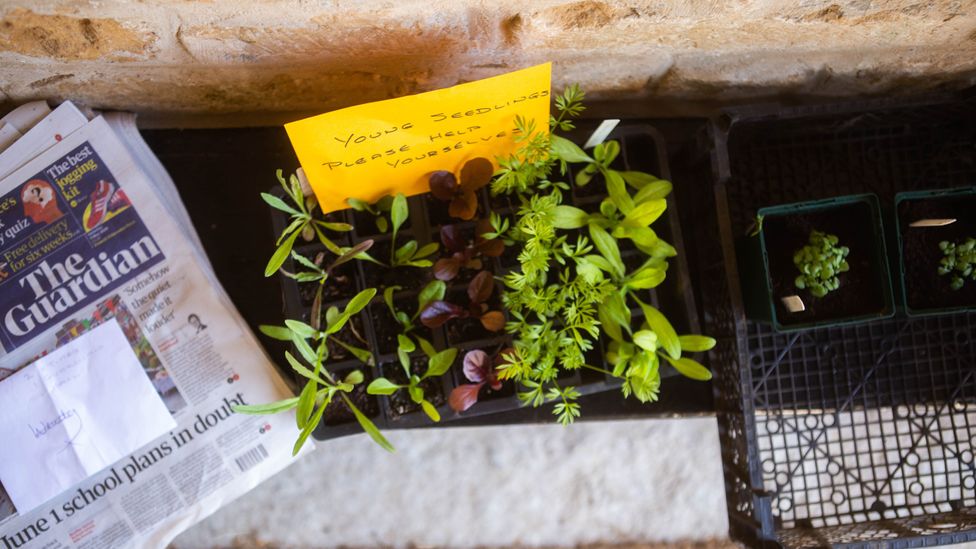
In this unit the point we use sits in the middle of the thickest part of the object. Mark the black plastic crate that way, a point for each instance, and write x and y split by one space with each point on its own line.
847 436
642 148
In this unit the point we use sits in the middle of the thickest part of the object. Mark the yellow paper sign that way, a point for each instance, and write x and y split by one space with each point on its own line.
382 148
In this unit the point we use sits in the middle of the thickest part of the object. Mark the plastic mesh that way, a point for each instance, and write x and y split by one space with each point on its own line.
863 433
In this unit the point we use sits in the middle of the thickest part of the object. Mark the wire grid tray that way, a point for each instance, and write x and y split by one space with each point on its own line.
844 435
878 443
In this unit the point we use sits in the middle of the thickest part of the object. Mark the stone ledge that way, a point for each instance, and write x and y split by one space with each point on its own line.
196 57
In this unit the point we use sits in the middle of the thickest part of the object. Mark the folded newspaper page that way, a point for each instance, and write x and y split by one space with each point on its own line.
15 123
87 239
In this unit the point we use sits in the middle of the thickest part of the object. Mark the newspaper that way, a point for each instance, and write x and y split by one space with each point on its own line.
87 237
23 118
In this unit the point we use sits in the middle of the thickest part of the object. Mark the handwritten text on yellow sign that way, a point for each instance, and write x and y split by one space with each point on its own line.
372 150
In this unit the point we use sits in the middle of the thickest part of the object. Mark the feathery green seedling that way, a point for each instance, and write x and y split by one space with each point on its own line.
572 284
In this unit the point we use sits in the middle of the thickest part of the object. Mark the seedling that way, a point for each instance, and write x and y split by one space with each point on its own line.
819 263
567 290
406 341
316 273
303 223
321 387
465 254
380 210
638 361
479 290
410 254
479 369
570 288
959 260
756 227
437 365
461 196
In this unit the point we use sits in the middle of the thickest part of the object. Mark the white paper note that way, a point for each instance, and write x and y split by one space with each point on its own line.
73 413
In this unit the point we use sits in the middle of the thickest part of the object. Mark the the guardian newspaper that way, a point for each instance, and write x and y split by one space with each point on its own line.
87 238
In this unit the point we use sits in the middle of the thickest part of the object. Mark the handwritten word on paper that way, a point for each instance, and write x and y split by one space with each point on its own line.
45 426
373 150
74 412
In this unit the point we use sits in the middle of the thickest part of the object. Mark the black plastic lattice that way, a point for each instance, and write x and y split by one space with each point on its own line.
852 435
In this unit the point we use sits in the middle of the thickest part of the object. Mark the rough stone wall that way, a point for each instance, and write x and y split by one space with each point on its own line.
290 56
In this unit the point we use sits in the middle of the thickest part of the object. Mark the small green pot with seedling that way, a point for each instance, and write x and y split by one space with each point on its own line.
936 239
814 264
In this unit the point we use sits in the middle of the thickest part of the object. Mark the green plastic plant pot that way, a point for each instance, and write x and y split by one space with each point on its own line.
922 291
768 272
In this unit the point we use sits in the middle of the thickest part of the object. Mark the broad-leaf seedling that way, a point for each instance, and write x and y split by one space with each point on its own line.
959 260
380 210
437 365
479 291
480 370
407 342
466 254
461 196
819 263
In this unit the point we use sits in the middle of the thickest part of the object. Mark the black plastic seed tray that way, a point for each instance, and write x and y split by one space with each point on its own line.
642 148
856 436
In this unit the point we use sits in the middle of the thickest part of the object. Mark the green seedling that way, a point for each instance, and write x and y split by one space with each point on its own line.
303 223
321 387
437 365
638 359
499 226
572 282
959 260
318 274
380 210
757 226
409 254
407 342
819 263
